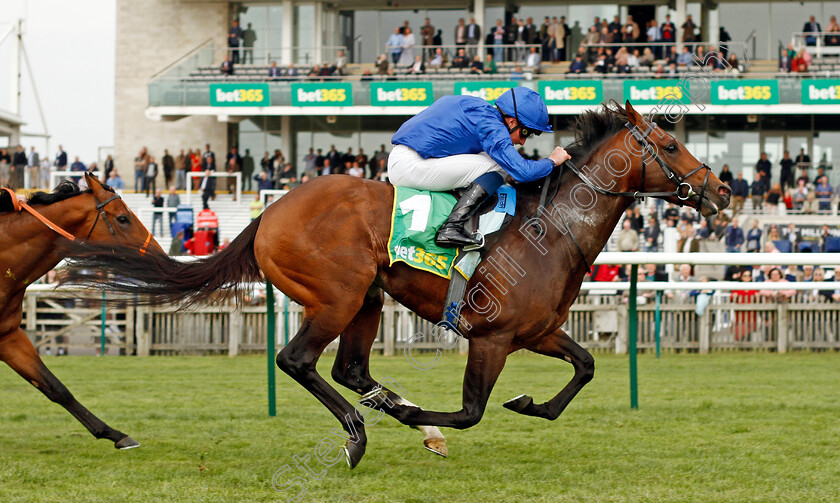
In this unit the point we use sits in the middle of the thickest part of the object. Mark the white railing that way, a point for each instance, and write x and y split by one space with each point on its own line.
271 192
70 174
819 48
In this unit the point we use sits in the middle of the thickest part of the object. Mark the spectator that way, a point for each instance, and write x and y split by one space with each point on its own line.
264 181
234 37
357 170
757 191
811 29
274 72
773 197
684 59
533 60
381 64
208 188
341 59
477 66
746 322
473 36
176 247
139 169
628 239
33 161
775 276
407 54
668 35
227 66
115 182
800 63
18 167
395 45
824 190
233 165
151 176
753 237
195 162
516 74
726 175
578 65
591 39
763 166
800 195
291 72
689 31
418 68
489 65
651 234
648 59
498 34
157 216
460 60
803 161
630 31
653 36
168 167
172 201
834 29
734 237
835 295
460 33
427 36
437 59
786 174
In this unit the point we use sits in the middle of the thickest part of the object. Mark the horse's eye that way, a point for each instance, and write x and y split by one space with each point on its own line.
671 148
123 219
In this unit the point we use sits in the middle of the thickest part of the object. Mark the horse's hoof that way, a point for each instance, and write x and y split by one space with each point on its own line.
436 445
353 453
519 404
127 443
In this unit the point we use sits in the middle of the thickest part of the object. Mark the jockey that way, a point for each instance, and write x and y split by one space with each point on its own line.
463 141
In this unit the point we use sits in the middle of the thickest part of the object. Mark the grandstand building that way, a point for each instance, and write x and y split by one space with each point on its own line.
171 94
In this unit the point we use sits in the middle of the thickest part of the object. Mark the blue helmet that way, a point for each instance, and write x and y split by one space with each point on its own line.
526 106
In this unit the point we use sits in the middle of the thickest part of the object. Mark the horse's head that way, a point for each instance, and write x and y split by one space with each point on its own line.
667 166
114 221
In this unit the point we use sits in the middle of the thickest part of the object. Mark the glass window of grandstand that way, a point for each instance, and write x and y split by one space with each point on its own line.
262 27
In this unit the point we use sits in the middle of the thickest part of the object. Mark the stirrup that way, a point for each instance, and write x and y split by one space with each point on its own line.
479 246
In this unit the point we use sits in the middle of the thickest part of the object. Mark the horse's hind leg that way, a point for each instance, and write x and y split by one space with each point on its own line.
558 345
17 351
352 363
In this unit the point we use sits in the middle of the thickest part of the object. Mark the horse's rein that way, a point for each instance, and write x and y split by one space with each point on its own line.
19 205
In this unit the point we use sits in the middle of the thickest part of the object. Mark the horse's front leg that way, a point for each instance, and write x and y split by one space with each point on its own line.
559 345
17 351
485 362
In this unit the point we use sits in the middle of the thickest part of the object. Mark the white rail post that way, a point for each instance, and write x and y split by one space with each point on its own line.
235 335
622 338
782 314
705 335
390 332
144 334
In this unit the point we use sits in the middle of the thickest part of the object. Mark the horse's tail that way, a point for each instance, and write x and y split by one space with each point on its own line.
158 278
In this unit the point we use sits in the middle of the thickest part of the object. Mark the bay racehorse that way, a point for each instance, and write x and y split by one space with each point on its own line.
32 239
325 245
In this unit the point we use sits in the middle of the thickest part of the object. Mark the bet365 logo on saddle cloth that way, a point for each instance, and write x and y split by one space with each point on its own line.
416 217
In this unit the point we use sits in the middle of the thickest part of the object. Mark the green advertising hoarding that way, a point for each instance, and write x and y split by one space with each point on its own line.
322 94
239 95
487 90
401 94
821 91
651 92
579 92
745 92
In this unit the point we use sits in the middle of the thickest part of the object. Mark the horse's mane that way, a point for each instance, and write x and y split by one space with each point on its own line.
591 128
65 190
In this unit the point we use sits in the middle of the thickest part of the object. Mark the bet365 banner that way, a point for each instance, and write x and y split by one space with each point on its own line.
821 91
578 92
652 92
401 94
322 94
745 92
239 95
487 90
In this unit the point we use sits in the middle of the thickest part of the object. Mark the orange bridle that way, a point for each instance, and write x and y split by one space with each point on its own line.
19 205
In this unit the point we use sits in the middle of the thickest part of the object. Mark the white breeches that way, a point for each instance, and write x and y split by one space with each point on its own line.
407 169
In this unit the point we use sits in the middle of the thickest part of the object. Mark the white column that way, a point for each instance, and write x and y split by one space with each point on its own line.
714 26
286 138
287 34
14 70
680 19
319 32
478 14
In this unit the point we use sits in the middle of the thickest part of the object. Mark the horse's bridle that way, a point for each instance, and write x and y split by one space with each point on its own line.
647 148
20 205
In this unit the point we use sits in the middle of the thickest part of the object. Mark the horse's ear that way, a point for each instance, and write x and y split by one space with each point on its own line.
632 114
93 183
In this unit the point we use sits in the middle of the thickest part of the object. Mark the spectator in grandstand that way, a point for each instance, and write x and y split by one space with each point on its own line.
824 191
418 68
395 45
381 171
139 169
763 166
689 31
115 182
208 159
227 66
633 60
357 170
668 35
685 59
746 322
786 173
235 36
341 60
233 164
811 29
473 35
476 66
256 206
800 62
628 239
291 73
835 295
833 39
149 184
437 59
725 175
773 198
427 37
157 216
592 38
33 161
533 61
18 166
195 162
408 43
264 181
672 215
800 195
168 167
803 160
517 73
172 201
757 191
247 169
704 232
753 237
274 73
498 33
647 59
208 188
601 64
460 60
775 276
817 294
651 234
578 65
5 167
631 31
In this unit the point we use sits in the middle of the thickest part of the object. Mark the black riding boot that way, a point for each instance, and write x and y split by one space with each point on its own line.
452 233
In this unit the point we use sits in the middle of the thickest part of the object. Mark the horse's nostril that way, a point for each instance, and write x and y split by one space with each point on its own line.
724 191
